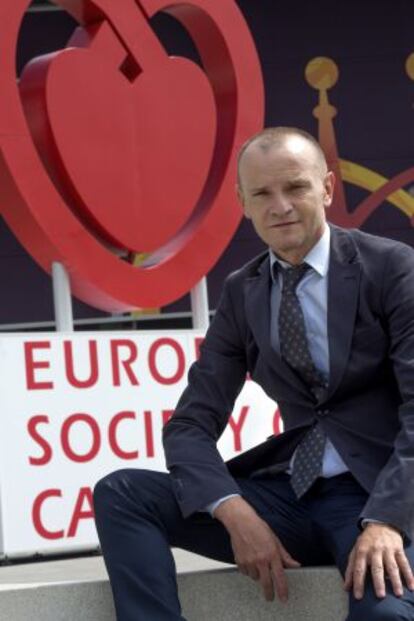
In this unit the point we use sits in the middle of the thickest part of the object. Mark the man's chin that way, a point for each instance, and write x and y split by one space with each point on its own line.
290 252
286 245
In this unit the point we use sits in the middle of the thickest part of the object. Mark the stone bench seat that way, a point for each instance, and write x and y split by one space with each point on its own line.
78 590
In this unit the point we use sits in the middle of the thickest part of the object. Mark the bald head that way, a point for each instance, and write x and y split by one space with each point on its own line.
297 140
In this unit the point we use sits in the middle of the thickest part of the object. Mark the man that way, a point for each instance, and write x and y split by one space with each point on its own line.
324 322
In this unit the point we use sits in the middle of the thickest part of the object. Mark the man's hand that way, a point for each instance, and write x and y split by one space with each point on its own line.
378 549
257 551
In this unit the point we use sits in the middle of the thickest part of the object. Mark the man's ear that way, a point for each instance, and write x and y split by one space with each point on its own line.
329 185
242 199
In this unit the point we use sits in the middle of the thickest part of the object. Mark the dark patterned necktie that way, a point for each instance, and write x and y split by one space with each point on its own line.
294 349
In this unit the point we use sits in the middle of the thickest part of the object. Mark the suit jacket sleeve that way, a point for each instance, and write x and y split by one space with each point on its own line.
198 472
392 498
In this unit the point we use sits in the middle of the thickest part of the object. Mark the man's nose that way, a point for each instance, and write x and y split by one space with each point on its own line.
280 206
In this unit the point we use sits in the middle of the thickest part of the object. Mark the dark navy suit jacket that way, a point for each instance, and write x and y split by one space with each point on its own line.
368 409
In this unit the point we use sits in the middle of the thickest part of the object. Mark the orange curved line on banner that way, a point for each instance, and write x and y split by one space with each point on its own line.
367 179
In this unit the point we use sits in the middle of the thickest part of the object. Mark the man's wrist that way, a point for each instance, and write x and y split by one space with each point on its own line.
230 512
212 506
369 522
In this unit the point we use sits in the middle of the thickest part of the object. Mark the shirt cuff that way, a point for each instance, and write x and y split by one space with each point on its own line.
212 506
367 521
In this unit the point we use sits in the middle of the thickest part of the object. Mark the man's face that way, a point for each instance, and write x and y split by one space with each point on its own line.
284 190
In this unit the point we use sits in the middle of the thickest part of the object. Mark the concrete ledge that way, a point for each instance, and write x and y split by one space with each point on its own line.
76 601
315 594
216 595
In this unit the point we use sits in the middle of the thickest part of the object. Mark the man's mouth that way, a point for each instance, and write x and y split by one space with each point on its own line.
280 225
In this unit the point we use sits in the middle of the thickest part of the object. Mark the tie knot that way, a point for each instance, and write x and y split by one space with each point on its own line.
291 276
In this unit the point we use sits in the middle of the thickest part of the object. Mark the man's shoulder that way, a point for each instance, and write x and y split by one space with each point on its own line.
367 244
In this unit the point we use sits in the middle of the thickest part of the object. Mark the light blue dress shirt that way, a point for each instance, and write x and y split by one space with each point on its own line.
312 292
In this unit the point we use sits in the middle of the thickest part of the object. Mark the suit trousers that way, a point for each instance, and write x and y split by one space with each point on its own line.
138 521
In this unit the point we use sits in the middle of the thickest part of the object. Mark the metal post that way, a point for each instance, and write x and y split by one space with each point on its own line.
199 305
62 298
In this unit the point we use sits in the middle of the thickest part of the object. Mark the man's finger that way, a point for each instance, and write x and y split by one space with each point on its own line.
377 573
253 572
249 570
405 569
279 580
242 568
392 570
358 575
266 582
349 571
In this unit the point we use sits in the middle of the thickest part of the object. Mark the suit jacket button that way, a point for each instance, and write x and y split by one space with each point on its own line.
322 412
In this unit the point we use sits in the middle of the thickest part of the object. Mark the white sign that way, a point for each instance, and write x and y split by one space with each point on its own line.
76 407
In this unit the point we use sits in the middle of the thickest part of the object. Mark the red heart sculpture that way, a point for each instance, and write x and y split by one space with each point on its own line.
148 147
127 147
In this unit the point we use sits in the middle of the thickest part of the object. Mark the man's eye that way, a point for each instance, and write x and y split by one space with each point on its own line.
260 193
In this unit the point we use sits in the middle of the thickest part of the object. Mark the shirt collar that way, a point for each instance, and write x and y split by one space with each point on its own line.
317 257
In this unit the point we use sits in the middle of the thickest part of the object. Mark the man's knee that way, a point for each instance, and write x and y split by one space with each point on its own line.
140 489
388 609
118 486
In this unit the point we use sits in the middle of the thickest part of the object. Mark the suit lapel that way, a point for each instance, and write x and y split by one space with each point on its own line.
257 300
343 291
257 304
